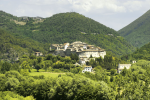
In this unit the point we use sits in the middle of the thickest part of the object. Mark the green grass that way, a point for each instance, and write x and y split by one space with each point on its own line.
40 70
46 74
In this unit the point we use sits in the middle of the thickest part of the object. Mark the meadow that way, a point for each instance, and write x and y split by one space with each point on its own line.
46 74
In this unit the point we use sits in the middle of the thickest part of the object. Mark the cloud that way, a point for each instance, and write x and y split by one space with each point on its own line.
133 5
112 13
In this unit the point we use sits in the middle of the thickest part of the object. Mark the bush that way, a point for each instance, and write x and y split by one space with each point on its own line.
7 95
41 77
113 71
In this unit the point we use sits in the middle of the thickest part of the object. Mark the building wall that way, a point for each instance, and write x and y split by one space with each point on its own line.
87 69
93 53
122 66
102 54
59 52
68 52
65 47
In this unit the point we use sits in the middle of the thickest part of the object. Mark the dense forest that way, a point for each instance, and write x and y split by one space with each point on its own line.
138 32
12 47
140 53
17 82
66 27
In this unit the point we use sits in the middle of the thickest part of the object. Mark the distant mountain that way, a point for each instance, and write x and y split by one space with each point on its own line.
138 32
68 27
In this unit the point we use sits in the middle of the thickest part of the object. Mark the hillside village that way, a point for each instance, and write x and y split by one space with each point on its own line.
71 71
83 50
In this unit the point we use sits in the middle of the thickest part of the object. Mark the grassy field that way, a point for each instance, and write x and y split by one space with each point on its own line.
46 74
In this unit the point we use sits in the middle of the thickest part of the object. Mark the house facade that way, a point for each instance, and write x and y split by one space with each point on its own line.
122 66
38 54
87 69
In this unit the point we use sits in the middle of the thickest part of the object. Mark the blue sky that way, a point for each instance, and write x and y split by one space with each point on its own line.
115 14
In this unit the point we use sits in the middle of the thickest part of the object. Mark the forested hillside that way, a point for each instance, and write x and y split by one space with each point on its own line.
142 53
67 27
15 46
138 32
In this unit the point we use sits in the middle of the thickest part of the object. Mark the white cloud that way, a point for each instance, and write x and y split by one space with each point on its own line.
112 13
133 5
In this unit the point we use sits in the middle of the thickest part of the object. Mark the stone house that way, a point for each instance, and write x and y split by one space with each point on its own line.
122 66
38 54
87 69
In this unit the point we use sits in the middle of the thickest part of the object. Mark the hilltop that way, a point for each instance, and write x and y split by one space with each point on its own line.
137 32
67 27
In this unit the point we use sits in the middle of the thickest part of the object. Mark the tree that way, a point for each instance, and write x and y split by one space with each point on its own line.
32 57
3 80
39 59
74 56
124 72
11 83
37 67
113 71
5 67
25 66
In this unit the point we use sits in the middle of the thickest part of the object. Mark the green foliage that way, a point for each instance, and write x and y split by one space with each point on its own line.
25 66
102 84
75 88
7 95
5 67
74 57
11 83
142 53
3 80
12 47
113 71
32 57
137 32
109 62
66 27
131 83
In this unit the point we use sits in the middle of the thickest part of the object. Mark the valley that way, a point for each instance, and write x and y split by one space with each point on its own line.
72 57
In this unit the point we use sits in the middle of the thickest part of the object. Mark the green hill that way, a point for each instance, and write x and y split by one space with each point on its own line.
16 46
142 53
69 27
138 32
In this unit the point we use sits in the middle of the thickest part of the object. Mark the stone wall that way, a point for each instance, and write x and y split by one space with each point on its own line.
93 53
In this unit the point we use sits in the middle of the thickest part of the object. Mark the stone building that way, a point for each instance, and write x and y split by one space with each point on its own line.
38 54
82 49
122 66
87 69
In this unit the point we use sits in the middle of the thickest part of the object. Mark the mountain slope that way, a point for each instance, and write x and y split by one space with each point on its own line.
11 46
138 32
142 53
70 27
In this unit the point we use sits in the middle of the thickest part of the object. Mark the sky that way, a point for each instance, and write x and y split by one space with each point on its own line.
115 14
